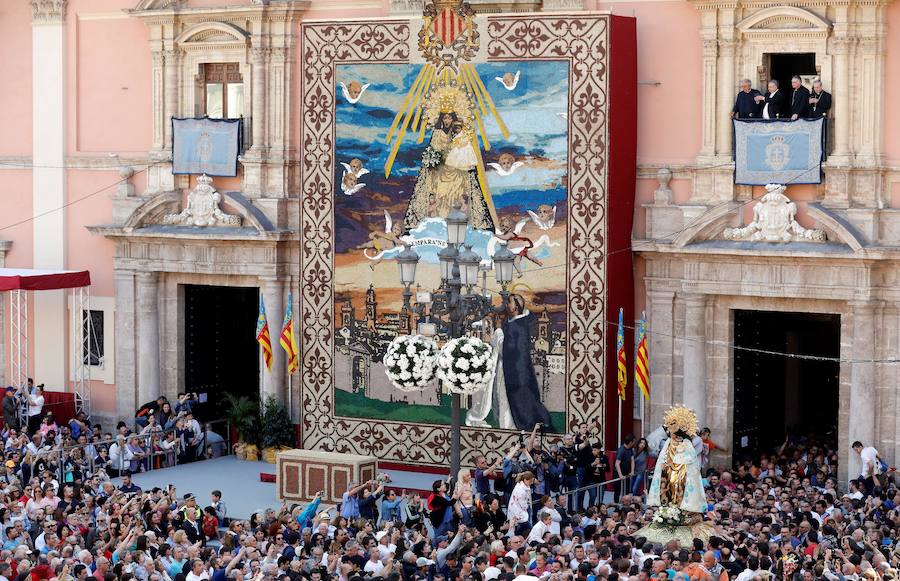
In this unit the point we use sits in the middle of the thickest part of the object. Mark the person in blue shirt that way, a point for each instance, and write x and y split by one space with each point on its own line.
350 501
305 517
390 507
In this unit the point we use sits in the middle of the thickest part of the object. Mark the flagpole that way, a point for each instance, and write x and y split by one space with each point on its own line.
620 420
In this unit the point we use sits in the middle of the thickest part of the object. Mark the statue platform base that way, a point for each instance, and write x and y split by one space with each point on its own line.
685 534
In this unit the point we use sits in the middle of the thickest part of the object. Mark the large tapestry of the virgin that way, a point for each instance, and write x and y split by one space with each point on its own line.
524 125
389 197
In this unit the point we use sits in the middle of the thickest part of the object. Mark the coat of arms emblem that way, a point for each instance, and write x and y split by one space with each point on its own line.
778 154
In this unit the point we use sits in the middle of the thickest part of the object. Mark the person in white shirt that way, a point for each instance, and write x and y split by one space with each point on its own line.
386 548
520 503
35 408
870 468
197 573
751 571
540 529
374 564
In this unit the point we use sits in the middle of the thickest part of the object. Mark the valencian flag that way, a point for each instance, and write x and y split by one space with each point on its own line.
262 334
288 340
642 360
448 25
620 347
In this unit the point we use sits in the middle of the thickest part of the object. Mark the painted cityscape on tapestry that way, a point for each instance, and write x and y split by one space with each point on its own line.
395 184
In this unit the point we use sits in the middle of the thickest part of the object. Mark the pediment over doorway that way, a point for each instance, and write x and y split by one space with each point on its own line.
783 18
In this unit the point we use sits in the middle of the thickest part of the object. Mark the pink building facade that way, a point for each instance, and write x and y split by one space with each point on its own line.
91 86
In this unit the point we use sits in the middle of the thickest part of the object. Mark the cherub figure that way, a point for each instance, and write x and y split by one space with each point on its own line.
545 216
350 184
391 238
355 167
507 164
354 91
509 80
509 231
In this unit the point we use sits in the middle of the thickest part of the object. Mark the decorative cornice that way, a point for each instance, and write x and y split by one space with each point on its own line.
48 11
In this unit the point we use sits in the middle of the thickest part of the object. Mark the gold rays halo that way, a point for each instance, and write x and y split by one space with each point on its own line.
433 87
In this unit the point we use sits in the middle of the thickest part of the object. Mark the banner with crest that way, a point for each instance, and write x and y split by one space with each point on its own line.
778 152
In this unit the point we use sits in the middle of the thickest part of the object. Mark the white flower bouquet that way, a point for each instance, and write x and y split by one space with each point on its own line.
669 517
431 157
464 365
410 362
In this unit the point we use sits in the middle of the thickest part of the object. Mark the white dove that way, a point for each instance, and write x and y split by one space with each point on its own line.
347 96
352 187
512 169
507 85
563 114
358 172
547 218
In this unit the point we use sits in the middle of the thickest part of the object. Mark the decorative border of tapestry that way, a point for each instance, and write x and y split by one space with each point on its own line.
778 152
206 146
600 202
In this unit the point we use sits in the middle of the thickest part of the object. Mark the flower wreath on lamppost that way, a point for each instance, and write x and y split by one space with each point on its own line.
454 306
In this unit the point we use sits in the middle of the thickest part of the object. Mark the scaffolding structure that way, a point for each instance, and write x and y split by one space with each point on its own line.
18 283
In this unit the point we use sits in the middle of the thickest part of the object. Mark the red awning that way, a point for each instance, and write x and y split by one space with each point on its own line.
29 279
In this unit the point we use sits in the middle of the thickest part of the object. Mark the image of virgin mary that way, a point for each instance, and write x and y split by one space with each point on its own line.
448 178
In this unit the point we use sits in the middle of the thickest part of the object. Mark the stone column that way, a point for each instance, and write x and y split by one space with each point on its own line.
49 58
661 327
727 92
710 51
148 336
126 344
258 62
170 67
694 351
840 47
274 381
862 381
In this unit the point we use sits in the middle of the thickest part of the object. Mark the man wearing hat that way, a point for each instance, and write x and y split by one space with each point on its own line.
190 505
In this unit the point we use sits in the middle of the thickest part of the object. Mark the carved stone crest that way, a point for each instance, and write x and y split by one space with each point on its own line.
774 220
202 209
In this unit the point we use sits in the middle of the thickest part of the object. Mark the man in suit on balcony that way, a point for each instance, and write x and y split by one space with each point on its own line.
772 102
799 99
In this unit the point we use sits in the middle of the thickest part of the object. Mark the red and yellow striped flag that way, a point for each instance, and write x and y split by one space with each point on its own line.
620 348
642 360
288 339
262 334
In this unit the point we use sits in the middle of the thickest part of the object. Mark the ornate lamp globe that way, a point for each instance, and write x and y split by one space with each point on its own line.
468 267
408 260
457 222
503 265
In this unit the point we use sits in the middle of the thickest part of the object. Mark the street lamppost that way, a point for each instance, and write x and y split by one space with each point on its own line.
454 305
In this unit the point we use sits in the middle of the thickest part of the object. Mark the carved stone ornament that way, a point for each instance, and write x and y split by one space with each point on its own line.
48 11
774 221
203 208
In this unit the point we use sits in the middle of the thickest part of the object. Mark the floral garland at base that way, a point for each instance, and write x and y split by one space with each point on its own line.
669 518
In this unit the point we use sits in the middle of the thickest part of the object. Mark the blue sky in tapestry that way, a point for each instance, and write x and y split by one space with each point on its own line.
534 111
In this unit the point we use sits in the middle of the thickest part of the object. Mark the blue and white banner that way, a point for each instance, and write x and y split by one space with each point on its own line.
206 146
778 152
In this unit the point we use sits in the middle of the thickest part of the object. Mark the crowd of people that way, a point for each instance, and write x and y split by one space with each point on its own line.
38 444
542 511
